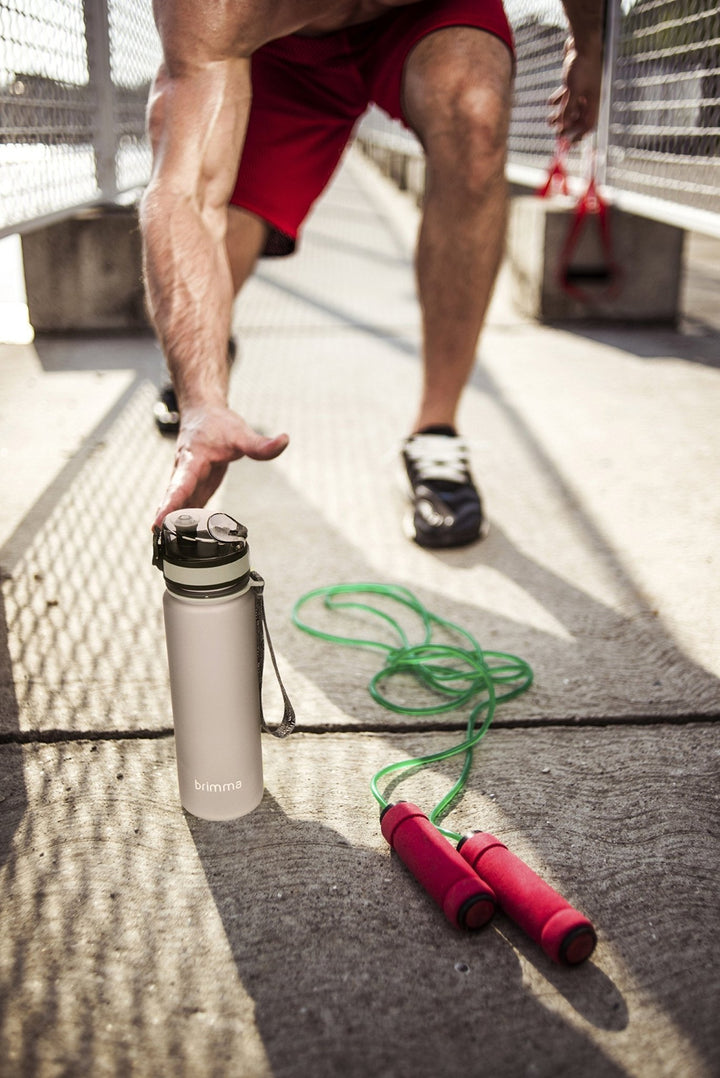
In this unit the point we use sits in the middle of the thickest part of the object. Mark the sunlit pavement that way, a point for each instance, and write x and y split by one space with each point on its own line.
138 940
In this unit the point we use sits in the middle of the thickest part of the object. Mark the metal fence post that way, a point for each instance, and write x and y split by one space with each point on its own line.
97 33
610 48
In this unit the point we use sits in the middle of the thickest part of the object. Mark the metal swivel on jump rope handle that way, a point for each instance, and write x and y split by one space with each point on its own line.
557 177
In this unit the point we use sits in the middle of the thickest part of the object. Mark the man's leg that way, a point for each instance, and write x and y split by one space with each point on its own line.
244 240
457 96
457 91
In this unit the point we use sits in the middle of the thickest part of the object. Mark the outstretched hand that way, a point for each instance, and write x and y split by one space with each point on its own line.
575 104
209 439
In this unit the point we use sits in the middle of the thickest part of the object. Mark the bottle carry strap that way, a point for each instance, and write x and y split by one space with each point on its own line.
287 724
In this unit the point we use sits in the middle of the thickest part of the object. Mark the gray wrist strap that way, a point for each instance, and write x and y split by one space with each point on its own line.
287 724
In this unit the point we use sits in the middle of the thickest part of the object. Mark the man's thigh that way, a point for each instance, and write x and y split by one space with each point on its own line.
305 105
309 92
436 43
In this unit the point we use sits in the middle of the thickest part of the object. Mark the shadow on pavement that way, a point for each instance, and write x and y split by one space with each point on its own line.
607 821
339 973
318 957
74 632
700 345
88 352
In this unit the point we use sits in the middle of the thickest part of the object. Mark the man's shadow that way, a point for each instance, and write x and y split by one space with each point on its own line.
65 353
347 960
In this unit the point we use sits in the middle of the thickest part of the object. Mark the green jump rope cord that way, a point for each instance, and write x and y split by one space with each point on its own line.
463 674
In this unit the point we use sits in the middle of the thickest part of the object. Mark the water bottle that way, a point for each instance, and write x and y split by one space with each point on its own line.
212 635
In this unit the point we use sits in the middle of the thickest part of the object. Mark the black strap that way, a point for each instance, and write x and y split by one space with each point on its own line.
287 724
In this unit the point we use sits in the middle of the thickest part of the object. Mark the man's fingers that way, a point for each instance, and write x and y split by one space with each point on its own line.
186 494
263 448
190 486
569 117
196 475
209 439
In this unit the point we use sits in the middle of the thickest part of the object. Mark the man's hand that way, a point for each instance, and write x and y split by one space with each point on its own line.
575 104
209 439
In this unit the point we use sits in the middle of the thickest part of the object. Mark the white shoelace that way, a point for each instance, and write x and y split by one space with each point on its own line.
437 456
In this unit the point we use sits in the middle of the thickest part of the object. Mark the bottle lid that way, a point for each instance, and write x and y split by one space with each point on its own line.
202 552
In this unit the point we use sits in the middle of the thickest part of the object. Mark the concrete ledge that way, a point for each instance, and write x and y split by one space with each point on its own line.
85 273
406 170
647 255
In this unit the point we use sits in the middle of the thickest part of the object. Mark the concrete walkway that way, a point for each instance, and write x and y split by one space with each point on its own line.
137 940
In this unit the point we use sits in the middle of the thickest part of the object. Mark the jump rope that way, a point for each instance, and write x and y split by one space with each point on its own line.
469 875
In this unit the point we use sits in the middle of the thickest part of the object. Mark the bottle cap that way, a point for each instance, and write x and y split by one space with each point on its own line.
201 552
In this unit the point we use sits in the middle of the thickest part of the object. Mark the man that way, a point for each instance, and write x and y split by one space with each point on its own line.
248 117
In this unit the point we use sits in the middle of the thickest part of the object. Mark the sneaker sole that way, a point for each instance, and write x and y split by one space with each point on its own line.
408 520
411 533
165 426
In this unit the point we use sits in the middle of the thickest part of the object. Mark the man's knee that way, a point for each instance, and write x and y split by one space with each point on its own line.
458 101
477 123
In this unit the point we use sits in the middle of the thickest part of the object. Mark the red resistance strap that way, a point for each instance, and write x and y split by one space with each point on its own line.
574 279
557 173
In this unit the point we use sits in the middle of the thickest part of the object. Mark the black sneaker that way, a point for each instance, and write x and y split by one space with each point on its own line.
166 411
447 509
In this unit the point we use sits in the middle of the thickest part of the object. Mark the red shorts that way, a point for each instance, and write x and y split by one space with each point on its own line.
309 92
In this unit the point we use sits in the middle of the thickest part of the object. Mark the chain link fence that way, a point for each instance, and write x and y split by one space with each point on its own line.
663 113
74 78
657 148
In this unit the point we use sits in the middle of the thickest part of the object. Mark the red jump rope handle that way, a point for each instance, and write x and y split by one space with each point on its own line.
466 901
565 935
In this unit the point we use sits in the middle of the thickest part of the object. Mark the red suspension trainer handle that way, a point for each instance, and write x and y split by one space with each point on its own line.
465 899
564 934
591 206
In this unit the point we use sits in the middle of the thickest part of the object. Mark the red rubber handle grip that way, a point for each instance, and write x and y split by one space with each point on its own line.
466 901
564 934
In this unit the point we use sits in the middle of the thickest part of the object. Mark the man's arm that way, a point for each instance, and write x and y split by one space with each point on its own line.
575 105
197 117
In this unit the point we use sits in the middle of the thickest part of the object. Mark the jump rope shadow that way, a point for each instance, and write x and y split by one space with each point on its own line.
351 967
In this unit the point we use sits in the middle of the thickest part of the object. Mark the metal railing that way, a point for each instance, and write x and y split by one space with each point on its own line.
74 78
657 148
663 113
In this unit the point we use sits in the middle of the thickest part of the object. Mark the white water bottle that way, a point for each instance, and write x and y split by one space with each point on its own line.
212 634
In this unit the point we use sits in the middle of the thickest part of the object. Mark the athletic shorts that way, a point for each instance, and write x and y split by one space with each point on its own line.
309 92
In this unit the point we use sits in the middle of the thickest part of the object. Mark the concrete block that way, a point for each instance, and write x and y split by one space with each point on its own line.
415 175
85 273
405 169
647 255
397 169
